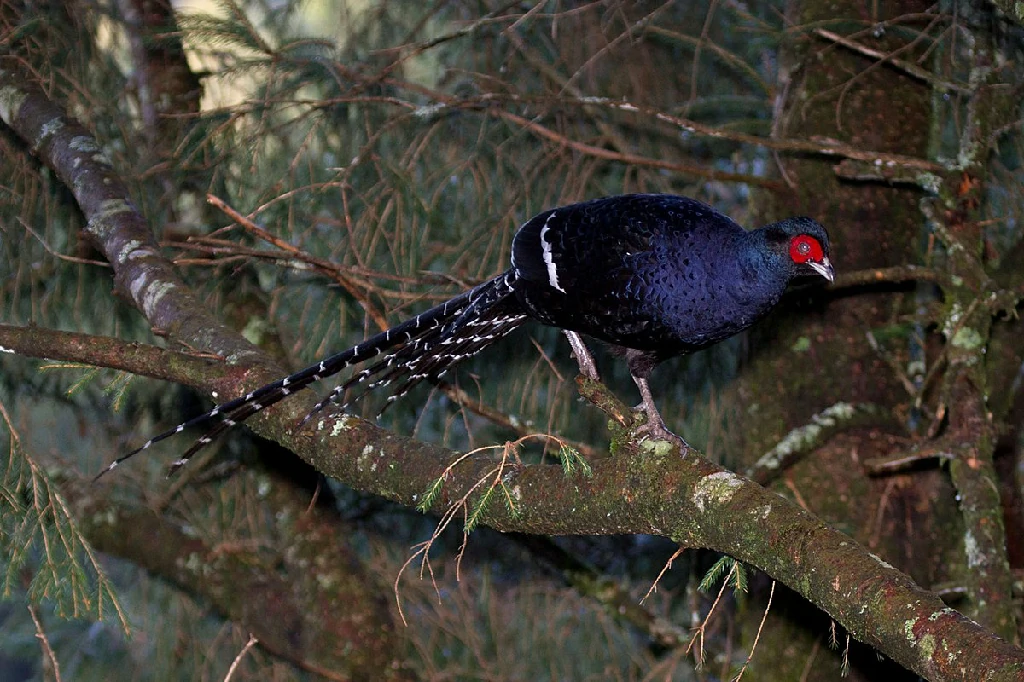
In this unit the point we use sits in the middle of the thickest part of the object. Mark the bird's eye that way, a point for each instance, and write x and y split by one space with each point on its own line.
805 248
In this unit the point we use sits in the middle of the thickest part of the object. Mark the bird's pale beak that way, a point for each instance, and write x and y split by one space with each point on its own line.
824 268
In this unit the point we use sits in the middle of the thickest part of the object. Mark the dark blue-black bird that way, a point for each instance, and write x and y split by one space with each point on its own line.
655 275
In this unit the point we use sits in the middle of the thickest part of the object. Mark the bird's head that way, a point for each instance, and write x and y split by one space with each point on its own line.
802 246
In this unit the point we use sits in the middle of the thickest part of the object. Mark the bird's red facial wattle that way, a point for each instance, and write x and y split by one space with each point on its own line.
805 249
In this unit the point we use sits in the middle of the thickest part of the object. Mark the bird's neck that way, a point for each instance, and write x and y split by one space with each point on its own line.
759 274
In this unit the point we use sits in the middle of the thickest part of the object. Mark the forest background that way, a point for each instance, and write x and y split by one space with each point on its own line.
195 200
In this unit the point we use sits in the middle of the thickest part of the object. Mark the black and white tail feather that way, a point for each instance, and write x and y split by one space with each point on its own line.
421 348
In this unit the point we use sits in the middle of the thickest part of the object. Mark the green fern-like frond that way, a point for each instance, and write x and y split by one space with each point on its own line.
720 568
83 381
477 510
118 388
573 461
740 580
232 31
430 496
514 510
734 572
40 540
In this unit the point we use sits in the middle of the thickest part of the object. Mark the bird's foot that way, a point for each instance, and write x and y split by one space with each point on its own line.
654 429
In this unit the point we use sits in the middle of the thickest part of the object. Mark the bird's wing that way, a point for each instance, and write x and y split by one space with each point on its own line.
580 248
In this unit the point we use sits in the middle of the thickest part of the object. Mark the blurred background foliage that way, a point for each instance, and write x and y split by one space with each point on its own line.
403 142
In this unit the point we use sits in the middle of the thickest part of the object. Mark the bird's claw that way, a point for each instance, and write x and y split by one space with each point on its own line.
654 429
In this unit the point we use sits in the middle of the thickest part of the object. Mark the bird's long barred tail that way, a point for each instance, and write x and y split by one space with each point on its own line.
424 347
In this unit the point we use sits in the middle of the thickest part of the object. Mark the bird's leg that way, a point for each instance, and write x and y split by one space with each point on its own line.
583 357
640 365
655 427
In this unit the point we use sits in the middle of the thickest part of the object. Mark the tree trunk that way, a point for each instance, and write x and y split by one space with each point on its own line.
869 348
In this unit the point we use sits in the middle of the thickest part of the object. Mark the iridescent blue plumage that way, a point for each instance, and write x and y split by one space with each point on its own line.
657 275
654 274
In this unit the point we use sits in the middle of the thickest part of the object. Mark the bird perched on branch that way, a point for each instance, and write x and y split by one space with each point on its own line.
655 275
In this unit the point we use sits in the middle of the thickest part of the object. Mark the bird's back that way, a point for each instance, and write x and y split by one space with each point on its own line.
652 272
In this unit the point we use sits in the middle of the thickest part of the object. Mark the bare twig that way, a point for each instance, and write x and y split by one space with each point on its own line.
241 654
899 463
699 633
462 398
44 642
633 159
230 252
61 256
662 572
324 266
753 647
905 66
891 275
494 476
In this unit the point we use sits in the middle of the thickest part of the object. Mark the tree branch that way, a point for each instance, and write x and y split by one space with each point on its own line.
697 504
883 57
116 228
102 351
284 588
690 500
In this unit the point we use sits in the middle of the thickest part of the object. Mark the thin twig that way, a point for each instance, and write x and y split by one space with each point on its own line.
45 642
230 252
61 256
410 51
907 67
634 159
760 627
907 461
892 275
664 569
459 396
703 626
241 654
356 292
